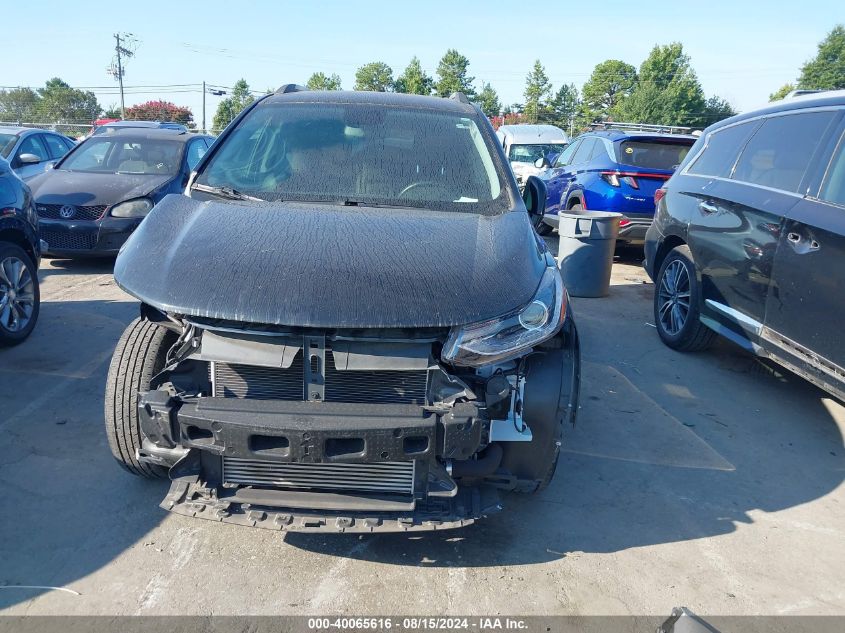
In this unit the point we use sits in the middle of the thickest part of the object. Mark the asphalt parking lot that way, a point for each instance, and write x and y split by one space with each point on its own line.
712 481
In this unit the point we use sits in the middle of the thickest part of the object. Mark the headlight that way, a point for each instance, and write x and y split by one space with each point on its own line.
132 208
511 335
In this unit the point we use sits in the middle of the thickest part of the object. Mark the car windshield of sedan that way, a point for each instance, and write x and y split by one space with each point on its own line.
359 154
122 155
530 153
7 143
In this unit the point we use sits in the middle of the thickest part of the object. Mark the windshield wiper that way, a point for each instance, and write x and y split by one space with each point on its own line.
376 205
229 193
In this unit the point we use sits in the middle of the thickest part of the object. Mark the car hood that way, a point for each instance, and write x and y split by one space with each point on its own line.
523 170
323 266
80 188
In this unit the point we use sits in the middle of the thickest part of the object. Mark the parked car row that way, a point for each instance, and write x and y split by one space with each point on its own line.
30 151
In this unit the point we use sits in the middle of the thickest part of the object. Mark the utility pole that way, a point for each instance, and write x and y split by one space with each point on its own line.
203 107
117 50
116 69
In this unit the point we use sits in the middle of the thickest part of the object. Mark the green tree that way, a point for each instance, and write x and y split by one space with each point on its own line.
19 105
375 77
112 112
781 92
414 80
563 108
538 89
452 75
610 83
667 91
716 109
231 106
320 81
488 100
827 70
59 103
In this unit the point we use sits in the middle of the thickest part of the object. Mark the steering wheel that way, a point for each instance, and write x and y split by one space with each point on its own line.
426 183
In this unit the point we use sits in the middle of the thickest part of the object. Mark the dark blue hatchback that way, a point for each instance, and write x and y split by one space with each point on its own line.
613 170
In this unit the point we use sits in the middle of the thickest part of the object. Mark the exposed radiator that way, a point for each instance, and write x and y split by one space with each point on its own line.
386 477
270 383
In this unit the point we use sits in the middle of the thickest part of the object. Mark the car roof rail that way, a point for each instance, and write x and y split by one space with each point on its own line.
639 127
460 97
286 88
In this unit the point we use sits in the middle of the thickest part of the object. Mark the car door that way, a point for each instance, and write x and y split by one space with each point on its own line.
557 179
804 307
576 168
733 229
31 144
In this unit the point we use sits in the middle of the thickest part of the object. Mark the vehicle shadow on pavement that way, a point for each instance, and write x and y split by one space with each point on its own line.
89 265
68 508
668 447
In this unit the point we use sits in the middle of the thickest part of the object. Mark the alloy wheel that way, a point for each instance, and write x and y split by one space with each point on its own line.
673 297
17 294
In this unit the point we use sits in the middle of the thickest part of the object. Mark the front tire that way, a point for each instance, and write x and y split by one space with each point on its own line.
677 303
20 295
140 354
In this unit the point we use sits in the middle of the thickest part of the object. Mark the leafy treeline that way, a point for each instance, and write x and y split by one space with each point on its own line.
56 102
826 71
664 90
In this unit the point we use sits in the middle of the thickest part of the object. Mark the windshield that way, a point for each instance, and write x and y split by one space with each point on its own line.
666 155
530 153
7 142
359 153
126 156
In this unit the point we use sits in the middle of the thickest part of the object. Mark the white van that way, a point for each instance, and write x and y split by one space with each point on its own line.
525 144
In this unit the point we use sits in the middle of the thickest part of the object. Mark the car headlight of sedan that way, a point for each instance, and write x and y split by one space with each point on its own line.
513 334
137 208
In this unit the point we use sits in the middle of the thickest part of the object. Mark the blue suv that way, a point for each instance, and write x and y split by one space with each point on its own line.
613 170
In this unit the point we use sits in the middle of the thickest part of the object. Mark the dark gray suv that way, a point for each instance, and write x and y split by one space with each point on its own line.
749 239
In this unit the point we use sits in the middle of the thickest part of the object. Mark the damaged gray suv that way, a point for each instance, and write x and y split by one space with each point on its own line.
347 323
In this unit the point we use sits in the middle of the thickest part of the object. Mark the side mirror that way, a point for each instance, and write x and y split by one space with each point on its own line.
541 163
534 197
28 159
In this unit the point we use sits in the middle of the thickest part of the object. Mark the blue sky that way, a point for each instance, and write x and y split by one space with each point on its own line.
742 50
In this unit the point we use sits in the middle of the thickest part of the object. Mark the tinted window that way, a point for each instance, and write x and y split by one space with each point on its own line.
55 145
666 155
195 151
583 153
566 155
779 152
360 153
833 188
721 150
31 145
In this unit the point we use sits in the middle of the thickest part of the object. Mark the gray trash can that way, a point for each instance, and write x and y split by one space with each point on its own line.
585 251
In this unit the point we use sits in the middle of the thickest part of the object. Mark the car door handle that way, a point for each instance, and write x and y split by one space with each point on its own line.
707 208
799 245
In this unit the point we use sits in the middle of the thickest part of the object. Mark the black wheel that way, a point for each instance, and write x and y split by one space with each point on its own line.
20 296
552 387
677 303
140 354
543 229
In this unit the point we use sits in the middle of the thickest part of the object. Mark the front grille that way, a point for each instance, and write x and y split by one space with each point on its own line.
69 240
271 383
385 477
52 211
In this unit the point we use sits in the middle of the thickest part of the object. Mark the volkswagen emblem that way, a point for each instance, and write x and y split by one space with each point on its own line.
67 211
